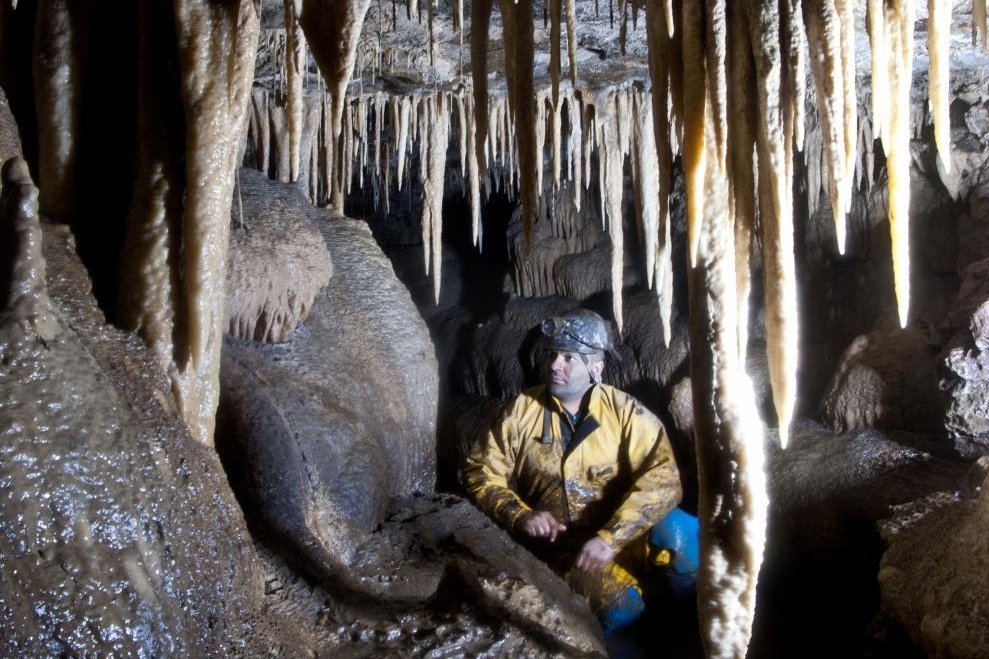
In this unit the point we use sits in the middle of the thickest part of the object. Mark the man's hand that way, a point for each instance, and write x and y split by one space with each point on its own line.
539 524
594 555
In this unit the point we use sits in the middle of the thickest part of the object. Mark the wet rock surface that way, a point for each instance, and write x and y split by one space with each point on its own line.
118 533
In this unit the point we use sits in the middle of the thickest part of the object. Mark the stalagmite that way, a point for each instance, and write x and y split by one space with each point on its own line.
938 34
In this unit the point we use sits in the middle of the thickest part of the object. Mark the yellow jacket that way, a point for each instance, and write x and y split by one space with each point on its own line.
617 480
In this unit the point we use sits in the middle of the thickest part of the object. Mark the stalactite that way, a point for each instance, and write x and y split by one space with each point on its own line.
613 146
402 128
651 202
742 120
434 135
846 35
660 46
938 40
210 37
56 75
555 11
694 100
715 39
261 128
776 215
473 172
824 38
878 41
333 30
295 69
519 59
539 121
794 80
899 29
575 113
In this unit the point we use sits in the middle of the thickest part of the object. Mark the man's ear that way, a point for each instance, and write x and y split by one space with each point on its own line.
597 368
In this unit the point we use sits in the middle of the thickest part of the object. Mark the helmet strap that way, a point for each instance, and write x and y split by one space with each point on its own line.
595 378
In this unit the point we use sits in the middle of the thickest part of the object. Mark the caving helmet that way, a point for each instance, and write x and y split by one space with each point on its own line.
581 331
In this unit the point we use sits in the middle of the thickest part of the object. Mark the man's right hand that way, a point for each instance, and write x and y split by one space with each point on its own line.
539 524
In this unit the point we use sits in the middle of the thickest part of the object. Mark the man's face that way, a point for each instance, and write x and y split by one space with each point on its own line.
566 376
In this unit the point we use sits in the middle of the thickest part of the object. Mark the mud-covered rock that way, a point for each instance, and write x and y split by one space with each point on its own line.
885 379
277 263
120 534
320 432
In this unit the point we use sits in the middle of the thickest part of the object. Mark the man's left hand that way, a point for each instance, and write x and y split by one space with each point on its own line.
594 555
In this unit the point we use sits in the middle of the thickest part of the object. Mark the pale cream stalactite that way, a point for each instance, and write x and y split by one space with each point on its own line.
846 31
58 77
261 128
694 102
541 109
328 142
775 213
473 172
793 79
938 42
295 57
899 29
405 104
211 38
732 504
556 129
824 43
742 189
333 30
716 38
650 202
611 156
878 43
380 110
660 46
434 138
575 112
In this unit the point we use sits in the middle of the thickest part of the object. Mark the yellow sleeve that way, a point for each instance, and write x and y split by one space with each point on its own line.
488 469
656 488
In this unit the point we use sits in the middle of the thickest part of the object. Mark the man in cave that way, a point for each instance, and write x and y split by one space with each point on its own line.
585 477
